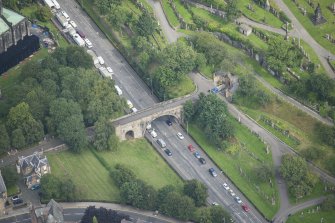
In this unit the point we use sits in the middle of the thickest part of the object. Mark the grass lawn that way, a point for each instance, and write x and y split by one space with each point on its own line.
171 17
307 216
184 87
259 14
183 12
317 32
13 190
146 163
93 179
247 158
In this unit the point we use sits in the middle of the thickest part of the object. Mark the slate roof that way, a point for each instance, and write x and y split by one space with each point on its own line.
56 211
2 185
35 160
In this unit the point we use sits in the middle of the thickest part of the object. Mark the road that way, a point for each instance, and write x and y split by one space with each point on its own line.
188 167
132 86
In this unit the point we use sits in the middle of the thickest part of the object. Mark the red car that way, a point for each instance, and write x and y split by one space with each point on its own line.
245 208
191 148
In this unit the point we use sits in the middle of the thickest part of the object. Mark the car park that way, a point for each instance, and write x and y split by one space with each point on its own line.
153 133
213 172
245 207
168 122
197 155
180 136
225 186
202 160
191 148
168 152
130 105
161 143
238 200
73 24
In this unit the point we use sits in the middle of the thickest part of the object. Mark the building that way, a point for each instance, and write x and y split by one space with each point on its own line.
245 29
3 195
16 43
33 167
52 213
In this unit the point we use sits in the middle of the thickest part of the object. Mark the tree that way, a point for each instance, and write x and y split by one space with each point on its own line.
18 140
10 176
122 174
204 215
68 190
179 206
4 138
263 172
103 132
77 57
43 14
146 25
232 12
218 214
50 187
197 191
188 110
118 16
247 85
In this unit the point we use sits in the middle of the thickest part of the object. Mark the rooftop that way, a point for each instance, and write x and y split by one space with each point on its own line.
11 17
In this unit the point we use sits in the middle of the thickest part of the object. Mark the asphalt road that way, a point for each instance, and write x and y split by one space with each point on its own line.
188 166
132 86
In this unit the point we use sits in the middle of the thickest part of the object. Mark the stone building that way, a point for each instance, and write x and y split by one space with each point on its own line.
16 43
3 195
51 213
13 27
245 29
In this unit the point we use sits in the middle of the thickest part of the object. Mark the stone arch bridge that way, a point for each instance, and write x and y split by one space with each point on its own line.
137 122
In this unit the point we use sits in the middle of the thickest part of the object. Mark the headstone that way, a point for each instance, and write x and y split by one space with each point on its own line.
267 5
317 18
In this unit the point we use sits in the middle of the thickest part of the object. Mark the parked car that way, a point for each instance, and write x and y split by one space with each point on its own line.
197 155
215 204
153 133
180 136
213 172
191 148
81 34
16 197
35 187
225 186
202 160
245 207
66 15
232 192
238 200
130 105
18 201
168 122
168 152
110 70
134 110
73 24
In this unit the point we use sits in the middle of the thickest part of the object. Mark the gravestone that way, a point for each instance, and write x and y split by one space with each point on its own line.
317 18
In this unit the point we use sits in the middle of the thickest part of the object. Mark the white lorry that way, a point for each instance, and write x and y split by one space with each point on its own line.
62 20
78 40
104 72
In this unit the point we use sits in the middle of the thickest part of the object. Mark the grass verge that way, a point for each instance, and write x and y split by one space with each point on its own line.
309 216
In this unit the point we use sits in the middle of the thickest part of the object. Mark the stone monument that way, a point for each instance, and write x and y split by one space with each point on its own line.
317 17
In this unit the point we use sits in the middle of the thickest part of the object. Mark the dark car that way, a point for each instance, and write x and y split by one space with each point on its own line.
245 207
14 198
202 160
168 122
212 172
18 201
80 33
35 187
168 152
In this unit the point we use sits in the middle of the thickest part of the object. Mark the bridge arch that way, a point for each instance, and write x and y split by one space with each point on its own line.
136 122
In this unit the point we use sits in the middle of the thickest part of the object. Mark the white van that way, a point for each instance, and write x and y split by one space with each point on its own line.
161 143
118 90
66 15
101 60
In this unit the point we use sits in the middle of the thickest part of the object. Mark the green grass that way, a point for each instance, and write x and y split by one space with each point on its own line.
317 32
93 179
231 164
259 14
170 15
183 12
313 57
146 163
13 190
317 191
184 87
309 217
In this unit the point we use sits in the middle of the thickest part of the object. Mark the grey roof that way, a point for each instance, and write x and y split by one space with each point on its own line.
2 185
56 211
11 17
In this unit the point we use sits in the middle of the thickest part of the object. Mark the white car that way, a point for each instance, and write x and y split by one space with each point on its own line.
73 24
110 70
180 136
153 133
66 15
88 43
225 186
101 60
134 110
238 200
232 192
130 105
